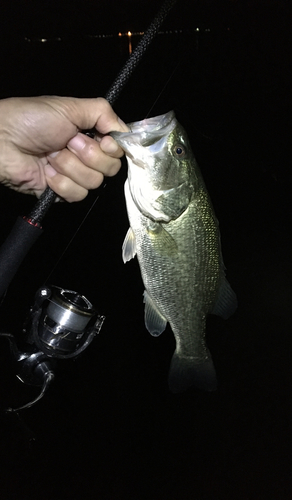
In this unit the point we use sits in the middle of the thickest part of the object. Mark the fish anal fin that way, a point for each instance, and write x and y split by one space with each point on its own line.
226 303
155 322
129 246
187 371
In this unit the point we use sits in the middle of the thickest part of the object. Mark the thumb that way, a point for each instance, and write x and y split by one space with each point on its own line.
89 113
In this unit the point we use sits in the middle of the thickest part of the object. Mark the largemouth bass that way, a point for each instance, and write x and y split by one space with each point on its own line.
175 235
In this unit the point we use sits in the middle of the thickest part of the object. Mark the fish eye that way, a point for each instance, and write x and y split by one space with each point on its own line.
179 151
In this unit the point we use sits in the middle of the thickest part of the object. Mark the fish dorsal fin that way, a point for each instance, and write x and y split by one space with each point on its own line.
129 246
155 322
226 303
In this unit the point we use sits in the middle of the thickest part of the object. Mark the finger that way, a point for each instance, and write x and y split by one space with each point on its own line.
68 164
108 120
90 154
110 147
63 186
89 113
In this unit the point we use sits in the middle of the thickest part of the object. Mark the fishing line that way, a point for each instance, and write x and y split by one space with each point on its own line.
74 234
48 198
98 196
27 229
159 95
104 185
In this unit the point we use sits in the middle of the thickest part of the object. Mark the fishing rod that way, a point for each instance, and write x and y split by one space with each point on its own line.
49 196
61 323
27 229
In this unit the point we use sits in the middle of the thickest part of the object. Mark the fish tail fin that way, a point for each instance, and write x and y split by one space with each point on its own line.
187 371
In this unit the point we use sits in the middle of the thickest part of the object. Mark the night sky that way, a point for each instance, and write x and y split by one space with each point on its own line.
57 17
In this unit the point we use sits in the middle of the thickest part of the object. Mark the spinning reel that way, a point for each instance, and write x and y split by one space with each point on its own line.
61 325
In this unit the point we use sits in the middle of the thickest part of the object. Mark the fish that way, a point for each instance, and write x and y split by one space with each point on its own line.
175 235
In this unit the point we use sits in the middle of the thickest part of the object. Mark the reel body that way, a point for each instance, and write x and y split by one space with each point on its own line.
61 325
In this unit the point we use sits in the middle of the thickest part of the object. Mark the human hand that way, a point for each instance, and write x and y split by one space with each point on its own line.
40 145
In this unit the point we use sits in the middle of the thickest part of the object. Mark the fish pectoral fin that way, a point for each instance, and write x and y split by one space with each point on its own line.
155 322
129 246
226 303
162 242
188 371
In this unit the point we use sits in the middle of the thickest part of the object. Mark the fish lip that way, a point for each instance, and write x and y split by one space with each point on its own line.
147 131
155 125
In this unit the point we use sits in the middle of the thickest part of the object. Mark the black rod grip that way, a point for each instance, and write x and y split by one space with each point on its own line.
21 238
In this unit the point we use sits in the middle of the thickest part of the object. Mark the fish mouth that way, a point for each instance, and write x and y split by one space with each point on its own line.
151 132
153 128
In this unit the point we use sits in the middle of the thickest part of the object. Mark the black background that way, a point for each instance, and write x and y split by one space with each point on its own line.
108 428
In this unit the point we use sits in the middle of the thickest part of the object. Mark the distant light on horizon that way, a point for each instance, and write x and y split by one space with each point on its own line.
129 34
130 42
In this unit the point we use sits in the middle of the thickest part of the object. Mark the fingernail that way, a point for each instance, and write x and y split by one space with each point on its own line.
50 171
55 153
111 147
76 144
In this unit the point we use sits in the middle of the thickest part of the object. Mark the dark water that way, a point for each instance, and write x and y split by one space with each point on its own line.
109 429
